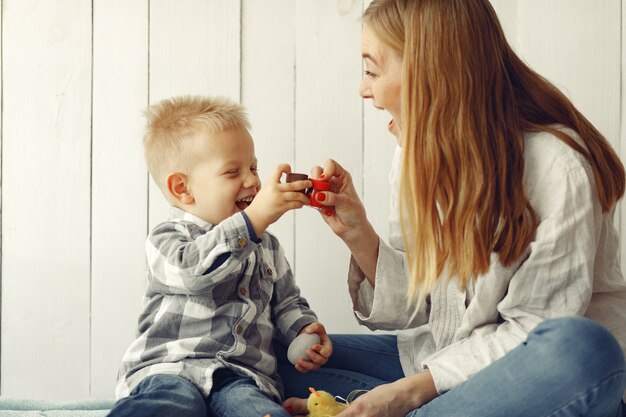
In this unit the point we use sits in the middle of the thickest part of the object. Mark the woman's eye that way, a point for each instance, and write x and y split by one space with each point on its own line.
253 170
370 74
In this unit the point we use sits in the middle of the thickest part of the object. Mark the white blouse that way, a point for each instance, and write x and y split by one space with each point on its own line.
571 268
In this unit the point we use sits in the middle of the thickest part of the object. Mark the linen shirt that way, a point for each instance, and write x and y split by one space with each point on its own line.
570 268
216 297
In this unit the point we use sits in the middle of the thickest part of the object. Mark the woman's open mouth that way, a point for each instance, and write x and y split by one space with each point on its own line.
394 129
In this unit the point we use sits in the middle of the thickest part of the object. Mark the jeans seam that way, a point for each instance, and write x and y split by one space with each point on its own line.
579 396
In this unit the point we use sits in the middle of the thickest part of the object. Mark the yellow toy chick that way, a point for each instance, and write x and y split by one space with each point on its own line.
322 404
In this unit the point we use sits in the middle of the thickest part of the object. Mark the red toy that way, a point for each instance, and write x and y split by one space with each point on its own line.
318 185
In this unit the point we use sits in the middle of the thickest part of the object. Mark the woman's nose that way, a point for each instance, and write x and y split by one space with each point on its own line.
365 88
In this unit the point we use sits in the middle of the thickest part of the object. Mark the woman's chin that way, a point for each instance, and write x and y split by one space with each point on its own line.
394 129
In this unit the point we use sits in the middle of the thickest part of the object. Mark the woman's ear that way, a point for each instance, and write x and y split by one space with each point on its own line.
178 189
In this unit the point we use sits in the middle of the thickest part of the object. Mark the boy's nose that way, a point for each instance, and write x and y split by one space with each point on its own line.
252 181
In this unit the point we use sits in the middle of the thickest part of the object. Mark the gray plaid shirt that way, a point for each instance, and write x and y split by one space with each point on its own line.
216 298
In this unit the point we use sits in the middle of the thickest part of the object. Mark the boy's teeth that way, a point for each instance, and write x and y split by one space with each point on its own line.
244 202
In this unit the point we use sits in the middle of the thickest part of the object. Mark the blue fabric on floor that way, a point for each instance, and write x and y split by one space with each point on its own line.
11 407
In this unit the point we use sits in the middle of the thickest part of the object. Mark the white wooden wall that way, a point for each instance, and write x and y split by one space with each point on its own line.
76 202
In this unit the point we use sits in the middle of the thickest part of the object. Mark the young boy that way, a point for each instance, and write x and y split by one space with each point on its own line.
219 286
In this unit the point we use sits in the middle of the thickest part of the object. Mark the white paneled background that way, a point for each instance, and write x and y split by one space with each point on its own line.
76 202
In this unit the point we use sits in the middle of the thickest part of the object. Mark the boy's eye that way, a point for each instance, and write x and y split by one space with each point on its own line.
232 171
254 169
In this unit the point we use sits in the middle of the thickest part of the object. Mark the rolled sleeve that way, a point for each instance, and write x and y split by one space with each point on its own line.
385 307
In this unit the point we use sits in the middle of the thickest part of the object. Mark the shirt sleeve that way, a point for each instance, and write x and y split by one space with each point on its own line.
554 280
385 307
184 259
290 311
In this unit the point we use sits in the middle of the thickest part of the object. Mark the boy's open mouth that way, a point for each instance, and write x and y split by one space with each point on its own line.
244 202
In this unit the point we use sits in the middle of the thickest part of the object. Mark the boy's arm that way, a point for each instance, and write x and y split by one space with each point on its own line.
184 259
290 311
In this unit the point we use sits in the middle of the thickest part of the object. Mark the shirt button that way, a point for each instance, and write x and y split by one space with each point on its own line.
243 291
242 242
239 329
269 271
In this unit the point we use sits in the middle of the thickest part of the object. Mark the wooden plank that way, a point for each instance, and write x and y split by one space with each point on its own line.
378 147
119 185
268 92
507 11
46 199
576 45
328 124
620 211
1 193
194 49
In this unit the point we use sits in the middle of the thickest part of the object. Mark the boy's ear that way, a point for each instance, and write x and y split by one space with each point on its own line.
177 188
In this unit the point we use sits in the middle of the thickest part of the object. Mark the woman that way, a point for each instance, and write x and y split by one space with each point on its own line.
501 236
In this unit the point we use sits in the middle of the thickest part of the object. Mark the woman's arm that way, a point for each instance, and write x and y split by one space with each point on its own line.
363 244
349 220
377 276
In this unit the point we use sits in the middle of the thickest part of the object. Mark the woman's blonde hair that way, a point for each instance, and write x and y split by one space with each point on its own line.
174 123
467 100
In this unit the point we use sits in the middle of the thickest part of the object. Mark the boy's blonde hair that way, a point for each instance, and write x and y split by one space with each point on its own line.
174 123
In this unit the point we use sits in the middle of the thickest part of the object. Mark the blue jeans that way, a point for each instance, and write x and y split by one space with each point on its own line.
358 362
236 396
567 367
173 396
162 395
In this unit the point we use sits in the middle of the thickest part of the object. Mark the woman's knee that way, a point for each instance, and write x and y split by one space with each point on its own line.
581 345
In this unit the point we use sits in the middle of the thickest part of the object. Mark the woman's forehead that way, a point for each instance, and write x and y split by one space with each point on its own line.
372 48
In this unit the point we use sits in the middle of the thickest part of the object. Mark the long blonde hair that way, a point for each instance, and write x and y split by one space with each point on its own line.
467 100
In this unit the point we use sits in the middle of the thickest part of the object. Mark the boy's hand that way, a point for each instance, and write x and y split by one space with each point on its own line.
319 353
275 199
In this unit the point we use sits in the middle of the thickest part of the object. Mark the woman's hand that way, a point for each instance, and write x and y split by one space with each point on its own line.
396 399
382 401
349 211
319 353
276 198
